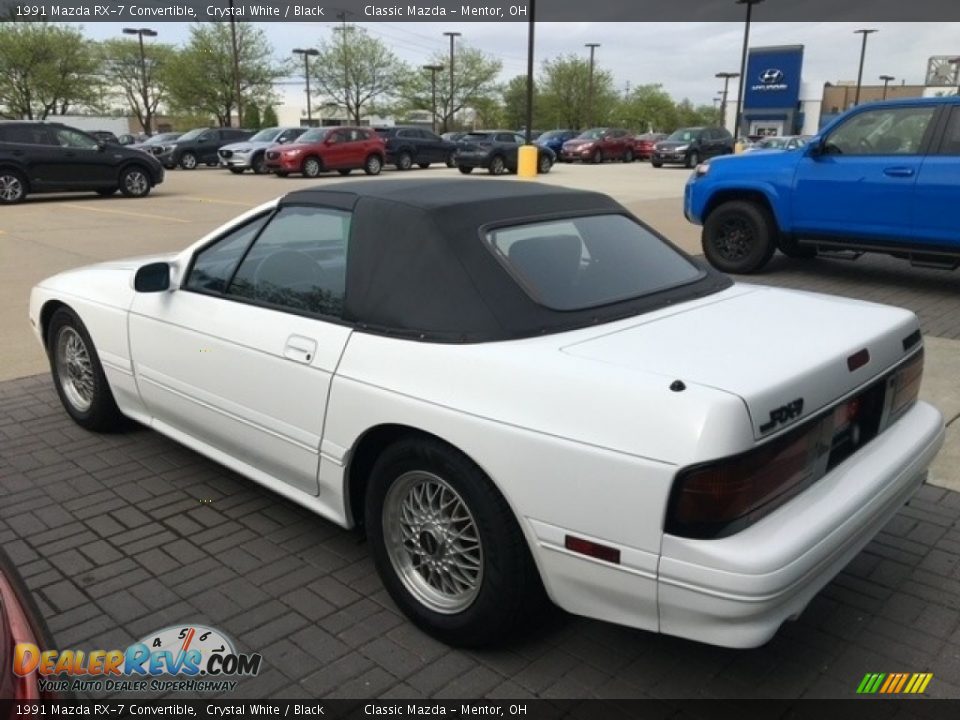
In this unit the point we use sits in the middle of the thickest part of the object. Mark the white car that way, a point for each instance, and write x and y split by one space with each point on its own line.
515 388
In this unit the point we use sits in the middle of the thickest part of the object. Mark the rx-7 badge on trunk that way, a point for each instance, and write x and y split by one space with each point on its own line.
783 414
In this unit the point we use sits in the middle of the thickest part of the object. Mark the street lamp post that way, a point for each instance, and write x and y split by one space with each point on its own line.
887 79
727 77
147 114
236 66
434 69
743 64
307 53
593 47
863 54
453 36
528 136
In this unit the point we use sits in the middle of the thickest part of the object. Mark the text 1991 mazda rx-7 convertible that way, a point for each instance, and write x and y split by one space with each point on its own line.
515 388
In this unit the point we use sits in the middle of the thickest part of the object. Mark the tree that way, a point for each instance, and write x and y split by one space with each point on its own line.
474 84
649 108
356 70
45 70
251 117
269 118
515 103
201 76
565 93
144 87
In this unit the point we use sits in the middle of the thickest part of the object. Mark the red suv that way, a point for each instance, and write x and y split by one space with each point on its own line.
599 144
335 148
643 144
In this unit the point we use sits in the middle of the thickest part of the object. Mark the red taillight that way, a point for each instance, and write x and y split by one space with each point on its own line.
15 628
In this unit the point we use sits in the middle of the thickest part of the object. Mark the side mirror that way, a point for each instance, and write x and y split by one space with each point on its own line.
154 277
101 145
282 141
816 148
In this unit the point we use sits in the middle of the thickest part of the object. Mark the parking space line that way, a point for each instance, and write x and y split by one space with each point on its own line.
129 214
223 202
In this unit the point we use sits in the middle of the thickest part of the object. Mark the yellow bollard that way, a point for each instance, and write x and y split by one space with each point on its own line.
527 161
738 148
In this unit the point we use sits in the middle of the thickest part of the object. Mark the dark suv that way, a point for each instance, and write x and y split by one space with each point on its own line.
199 146
690 146
39 157
409 146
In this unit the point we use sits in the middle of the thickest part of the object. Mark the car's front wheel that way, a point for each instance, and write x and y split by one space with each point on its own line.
188 161
404 161
497 165
13 187
134 182
739 237
447 546
259 165
311 167
693 159
544 164
452 160
373 165
78 375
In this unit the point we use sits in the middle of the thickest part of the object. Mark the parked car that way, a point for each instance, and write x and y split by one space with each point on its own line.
474 349
409 146
644 144
691 146
250 154
41 157
554 139
497 151
881 178
324 149
155 143
779 142
598 145
199 146
105 136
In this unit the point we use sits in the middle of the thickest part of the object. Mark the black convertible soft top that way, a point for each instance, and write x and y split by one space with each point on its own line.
418 265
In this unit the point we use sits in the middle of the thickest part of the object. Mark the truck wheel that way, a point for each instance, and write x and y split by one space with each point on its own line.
792 249
738 237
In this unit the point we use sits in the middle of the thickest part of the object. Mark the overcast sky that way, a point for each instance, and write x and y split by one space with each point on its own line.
682 56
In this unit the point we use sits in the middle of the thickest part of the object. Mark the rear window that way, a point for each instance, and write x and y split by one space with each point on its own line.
584 262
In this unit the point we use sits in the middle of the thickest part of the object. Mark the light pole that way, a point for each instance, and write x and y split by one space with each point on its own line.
453 36
727 77
593 47
145 96
743 64
236 67
434 69
528 135
887 79
342 17
863 54
307 53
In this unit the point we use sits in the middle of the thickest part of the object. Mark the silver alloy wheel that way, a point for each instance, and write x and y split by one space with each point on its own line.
188 161
374 165
497 166
136 183
74 369
432 541
11 188
311 167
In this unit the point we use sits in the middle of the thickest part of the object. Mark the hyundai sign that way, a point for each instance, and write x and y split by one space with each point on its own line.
773 77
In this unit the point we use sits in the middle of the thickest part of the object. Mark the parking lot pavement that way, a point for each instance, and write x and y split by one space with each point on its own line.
121 535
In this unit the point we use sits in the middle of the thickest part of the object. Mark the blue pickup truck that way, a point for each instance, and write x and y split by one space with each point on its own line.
884 177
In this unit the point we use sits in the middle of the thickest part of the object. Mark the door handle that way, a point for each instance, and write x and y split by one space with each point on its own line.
899 172
300 349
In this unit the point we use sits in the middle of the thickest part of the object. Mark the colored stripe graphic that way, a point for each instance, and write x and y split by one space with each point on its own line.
894 683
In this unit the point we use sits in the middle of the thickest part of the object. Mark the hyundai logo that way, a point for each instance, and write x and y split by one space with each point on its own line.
771 77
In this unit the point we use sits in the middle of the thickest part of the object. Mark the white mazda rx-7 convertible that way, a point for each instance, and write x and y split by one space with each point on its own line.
518 392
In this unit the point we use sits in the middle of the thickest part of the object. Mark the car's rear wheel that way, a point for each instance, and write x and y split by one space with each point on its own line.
738 237
497 165
447 546
188 161
792 249
311 167
13 187
236 170
693 159
423 166
134 182
259 164
466 170
78 375
404 161
452 160
373 165
628 156
544 164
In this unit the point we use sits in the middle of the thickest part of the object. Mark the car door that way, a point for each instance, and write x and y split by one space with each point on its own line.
431 147
33 147
338 149
859 180
935 217
82 161
207 145
241 355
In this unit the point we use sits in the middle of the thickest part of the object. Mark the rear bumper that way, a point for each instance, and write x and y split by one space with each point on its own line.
738 590
474 160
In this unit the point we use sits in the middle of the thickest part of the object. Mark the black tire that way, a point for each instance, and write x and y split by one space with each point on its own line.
597 156
452 160
544 164
628 156
373 165
404 161
107 192
656 164
507 589
236 170
693 159
102 414
311 167
13 187
282 173
259 164
466 170
739 237
188 161
498 165
344 171
423 166
135 182
789 246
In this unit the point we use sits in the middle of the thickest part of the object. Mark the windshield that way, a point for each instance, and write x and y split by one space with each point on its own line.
594 134
773 143
313 135
583 262
193 134
266 135
683 135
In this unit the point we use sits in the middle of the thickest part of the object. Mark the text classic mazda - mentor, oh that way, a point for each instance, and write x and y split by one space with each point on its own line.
518 391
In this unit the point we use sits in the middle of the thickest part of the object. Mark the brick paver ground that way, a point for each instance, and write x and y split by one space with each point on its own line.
120 535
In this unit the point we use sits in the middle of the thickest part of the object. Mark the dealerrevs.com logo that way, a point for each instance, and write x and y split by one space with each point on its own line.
183 658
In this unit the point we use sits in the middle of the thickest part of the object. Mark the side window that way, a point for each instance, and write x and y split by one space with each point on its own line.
74 139
950 145
299 261
506 138
28 135
214 265
427 135
339 136
885 131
